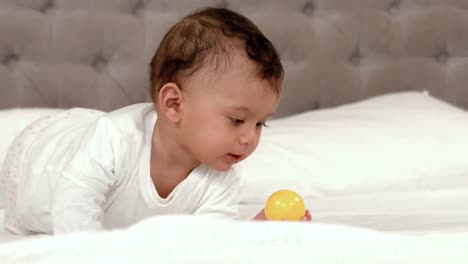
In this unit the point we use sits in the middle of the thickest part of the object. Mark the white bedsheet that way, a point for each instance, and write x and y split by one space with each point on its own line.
424 227
426 212
188 239
417 213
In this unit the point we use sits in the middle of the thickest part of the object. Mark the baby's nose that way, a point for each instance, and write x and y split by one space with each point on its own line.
248 137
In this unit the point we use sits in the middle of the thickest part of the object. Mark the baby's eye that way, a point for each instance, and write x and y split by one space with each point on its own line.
236 121
262 124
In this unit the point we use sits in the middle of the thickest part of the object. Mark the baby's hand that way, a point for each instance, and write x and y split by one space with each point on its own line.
261 216
307 217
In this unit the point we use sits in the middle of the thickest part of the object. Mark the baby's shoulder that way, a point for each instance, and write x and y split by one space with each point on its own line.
133 118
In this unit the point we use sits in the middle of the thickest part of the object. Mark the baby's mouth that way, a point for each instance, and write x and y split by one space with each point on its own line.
234 158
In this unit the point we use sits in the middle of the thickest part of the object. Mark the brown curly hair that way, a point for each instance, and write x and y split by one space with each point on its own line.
208 37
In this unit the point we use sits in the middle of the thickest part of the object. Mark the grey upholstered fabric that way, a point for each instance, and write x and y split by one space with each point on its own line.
94 53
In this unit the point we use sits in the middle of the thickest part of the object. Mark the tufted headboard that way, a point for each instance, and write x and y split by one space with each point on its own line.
95 53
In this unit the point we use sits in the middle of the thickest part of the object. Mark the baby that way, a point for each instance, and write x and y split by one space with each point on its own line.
215 81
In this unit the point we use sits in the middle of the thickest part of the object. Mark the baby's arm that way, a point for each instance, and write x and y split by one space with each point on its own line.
221 199
79 195
76 208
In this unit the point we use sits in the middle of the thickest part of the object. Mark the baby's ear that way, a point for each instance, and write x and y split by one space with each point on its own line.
169 101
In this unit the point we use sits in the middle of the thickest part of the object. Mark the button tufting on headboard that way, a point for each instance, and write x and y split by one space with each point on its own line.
309 8
356 57
442 56
10 60
95 53
99 63
47 6
224 4
394 7
138 7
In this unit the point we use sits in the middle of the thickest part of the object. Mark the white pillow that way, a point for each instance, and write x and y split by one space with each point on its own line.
398 142
12 122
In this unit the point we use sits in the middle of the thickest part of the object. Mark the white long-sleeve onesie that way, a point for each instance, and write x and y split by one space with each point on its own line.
86 170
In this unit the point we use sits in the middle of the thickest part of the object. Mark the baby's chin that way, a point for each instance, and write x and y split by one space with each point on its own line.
220 168
219 165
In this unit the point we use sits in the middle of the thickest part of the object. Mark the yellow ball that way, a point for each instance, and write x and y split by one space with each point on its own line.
285 205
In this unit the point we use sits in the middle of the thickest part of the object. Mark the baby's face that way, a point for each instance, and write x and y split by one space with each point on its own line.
224 113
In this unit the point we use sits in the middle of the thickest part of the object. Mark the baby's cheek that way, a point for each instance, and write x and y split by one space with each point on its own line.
255 144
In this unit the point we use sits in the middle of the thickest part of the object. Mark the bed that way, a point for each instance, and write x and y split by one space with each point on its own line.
371 129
